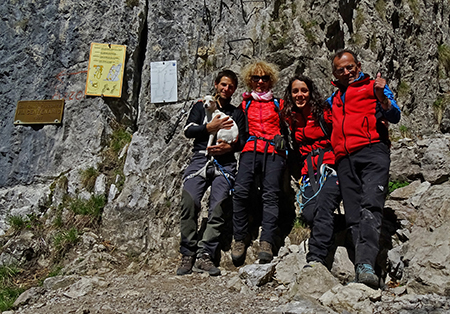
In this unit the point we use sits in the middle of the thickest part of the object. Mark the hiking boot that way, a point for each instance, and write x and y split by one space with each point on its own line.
186 265
365 274
205 264
238 253
265 252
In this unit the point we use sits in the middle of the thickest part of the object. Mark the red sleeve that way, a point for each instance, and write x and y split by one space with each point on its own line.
242 105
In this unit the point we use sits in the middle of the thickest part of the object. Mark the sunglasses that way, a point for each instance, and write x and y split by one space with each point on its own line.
264 78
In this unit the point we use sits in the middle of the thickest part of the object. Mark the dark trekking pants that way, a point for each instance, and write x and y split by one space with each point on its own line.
363 178
193 190
271 188
319 215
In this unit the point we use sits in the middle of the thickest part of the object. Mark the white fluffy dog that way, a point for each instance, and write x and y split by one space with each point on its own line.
229 136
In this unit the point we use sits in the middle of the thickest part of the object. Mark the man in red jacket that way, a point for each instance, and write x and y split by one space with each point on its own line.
361 109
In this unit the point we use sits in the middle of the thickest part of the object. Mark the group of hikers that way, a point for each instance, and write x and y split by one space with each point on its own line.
342 149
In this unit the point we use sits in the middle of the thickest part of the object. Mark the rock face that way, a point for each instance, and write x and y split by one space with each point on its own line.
44 52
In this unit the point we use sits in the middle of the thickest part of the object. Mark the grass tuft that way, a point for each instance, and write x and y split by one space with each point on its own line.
88 177
439 106
396 185
403 89
300 231
92 207
380 7
309 31
444 57
119 139
16 222
65 240
9 291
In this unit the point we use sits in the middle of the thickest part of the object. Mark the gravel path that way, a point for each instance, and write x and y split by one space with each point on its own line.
163 292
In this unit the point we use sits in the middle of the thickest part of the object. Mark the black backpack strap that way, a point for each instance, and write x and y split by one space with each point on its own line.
315 179
246 115
276 101
324 126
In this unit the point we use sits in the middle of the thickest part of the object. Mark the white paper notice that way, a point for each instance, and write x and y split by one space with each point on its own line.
164 81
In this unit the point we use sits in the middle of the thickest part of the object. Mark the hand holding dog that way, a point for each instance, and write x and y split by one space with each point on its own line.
221 148
217 123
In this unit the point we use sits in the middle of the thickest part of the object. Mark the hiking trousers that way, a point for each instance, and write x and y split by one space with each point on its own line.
193 190
318 212
363 178
250 164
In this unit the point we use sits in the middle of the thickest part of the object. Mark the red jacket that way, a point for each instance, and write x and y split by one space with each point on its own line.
309 136
263 121
354 121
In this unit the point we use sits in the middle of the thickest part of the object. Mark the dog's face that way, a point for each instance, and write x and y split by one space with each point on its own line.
209 103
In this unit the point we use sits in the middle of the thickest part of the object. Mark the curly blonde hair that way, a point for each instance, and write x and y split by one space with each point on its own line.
260 68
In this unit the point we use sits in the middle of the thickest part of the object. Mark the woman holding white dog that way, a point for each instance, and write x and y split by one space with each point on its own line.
262 155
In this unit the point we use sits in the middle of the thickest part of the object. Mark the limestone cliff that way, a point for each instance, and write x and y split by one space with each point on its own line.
44 52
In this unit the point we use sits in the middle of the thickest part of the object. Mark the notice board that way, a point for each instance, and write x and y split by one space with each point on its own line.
105 72
164 86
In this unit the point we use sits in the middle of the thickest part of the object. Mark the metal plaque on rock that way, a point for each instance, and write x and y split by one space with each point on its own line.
39 111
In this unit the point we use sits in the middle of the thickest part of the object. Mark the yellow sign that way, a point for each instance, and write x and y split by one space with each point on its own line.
39 111
105 73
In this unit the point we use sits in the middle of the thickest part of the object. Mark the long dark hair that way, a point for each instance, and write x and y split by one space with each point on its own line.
315 99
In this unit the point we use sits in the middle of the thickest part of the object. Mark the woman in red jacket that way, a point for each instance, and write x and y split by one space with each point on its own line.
310 120
260 156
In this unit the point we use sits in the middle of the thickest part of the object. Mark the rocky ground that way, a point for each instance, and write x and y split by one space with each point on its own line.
157 293
281 287
147 292
100 277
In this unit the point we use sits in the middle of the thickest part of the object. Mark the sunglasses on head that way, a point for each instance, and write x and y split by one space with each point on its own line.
264 78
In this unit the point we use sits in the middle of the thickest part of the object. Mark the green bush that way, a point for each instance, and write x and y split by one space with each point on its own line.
396 185
92 207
